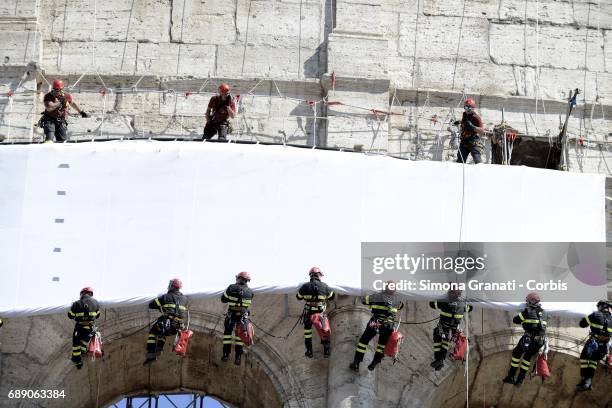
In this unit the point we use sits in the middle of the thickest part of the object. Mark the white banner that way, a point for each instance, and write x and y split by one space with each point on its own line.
125 217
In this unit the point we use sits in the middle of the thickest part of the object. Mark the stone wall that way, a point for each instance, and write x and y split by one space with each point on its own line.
35 351
145 68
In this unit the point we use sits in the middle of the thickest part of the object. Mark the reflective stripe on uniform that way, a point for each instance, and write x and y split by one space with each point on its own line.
361 348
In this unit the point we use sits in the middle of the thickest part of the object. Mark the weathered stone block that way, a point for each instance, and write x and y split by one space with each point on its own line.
139 20
205 22
176 59
475 78
262 61
473 8
438 37
19 47
380 21
557 12
78 57
293 24
18 8
559 47
357 56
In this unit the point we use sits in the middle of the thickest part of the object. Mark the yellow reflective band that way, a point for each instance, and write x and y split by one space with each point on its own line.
230 297
367 300
76 353
79 314
446 314
76 347
436 349
157 302
152 335
514 364
445 346
84 342
307 297
534 321
307 330
227 336
520 315
516 359
437 344
227 342
331 293
70 313
307 336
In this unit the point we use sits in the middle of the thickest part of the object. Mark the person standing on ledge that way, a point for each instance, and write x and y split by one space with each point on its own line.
53 120
471 129
220 109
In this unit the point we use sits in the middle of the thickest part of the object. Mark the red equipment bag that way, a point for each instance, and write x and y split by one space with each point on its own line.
321 323
94 348
181 342
609 364
246 332
461 345
542 367
392 346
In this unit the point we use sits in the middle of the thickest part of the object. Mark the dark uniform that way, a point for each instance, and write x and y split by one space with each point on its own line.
84 311
316 294
451 314
238 297
596 346
470 140
219 122
173 306
384 309
534 320
54 122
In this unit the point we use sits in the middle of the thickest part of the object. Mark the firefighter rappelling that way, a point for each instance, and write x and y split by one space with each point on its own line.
446 332
315 294
173 306
237 326
385 306
534 321
598 344
84 312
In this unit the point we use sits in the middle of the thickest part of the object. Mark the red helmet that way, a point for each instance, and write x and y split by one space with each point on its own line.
58 84
87 290
224 88
315 270
175 284
470 102
244 275
532 298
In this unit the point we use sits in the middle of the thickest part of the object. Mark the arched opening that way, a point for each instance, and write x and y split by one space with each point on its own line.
259 381
180 400
486 387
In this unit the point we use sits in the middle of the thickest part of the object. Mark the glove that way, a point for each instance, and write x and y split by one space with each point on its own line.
456 123
84 114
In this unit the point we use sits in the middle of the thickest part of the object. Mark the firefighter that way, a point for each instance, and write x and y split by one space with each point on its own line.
471 129
221 107
315 294
596 346
451 314
84 312
238 297
173 306
53 120
384 306
534 320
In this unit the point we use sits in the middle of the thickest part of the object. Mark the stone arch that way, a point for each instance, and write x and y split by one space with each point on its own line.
262 380
489 362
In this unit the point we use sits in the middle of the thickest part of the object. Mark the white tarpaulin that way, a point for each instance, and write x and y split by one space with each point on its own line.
124 217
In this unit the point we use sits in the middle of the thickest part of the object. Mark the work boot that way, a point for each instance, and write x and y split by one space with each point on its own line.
373 364
509 379
584 385
437 364
225 358
520 378
354 366
326 350
237 360
308 353
151 357
79 366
